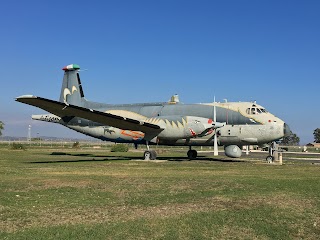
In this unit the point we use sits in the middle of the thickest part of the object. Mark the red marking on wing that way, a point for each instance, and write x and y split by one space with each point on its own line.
192 132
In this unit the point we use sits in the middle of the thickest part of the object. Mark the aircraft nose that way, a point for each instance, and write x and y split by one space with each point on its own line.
286 130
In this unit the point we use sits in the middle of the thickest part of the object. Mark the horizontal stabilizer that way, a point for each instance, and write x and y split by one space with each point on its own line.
62 110
46 118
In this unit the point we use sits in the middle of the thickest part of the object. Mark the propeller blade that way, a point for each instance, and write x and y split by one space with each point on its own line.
215 141
214 110
215 145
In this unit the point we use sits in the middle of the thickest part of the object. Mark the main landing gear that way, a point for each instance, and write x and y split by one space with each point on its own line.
149 154
192 154
152 154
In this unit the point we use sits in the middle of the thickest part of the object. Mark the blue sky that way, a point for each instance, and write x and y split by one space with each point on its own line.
145 51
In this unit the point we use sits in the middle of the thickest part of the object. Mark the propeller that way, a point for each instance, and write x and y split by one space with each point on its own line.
215 140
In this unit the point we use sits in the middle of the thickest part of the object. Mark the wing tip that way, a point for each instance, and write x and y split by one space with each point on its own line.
25 96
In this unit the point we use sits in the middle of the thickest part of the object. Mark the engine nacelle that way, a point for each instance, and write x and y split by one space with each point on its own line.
232 151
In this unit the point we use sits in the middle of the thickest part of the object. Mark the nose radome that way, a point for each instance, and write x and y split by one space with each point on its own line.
286 130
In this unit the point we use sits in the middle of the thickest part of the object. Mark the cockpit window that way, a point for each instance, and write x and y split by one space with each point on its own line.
255 110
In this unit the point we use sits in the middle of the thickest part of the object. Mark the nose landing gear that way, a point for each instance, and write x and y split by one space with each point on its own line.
273 152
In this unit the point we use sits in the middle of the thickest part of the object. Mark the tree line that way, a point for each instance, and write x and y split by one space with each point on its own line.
1 127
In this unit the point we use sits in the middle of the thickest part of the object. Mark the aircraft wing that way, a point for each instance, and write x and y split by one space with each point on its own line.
62 110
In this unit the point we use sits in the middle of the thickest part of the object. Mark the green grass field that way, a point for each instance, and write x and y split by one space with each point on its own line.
96 194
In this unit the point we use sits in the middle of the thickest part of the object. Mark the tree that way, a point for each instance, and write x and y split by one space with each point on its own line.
290 140
1 127
316 134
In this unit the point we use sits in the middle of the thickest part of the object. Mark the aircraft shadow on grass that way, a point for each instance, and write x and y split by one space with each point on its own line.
99 158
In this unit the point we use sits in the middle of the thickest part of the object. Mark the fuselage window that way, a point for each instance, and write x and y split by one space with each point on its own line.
254 111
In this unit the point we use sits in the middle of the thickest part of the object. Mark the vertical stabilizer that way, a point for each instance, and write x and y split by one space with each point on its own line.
71 91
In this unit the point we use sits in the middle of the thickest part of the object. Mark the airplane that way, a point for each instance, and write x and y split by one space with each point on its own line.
172 123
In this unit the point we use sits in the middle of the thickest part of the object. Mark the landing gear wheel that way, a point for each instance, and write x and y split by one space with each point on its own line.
150 155
192 154
270 159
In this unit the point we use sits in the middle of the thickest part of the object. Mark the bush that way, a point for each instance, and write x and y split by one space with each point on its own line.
18 146
76 145
119 148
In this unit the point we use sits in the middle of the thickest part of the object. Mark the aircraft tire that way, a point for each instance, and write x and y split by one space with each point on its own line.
150 155
270 159
192 154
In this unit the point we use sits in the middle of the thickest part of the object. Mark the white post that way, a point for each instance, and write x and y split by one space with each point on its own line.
280 158
275 151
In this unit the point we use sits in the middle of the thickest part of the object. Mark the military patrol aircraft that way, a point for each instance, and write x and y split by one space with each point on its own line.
228 124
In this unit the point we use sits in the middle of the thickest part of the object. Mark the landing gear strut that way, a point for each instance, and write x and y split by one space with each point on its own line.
273 149
149 154
192 154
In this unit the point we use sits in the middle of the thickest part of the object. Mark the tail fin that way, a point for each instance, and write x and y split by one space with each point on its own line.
71 91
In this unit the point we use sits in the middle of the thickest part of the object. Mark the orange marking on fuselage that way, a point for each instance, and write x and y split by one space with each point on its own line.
132 134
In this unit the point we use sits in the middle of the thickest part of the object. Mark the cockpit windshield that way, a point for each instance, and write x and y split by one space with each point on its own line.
255 110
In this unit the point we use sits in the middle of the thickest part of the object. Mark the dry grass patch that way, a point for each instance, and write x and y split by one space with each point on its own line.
237 232
59 183
92 215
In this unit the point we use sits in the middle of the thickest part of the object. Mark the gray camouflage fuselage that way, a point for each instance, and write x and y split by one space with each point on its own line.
240 129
